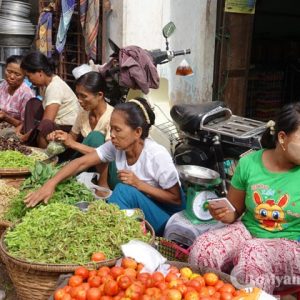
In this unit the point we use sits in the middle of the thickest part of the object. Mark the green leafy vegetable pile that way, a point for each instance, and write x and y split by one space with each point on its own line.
15 159
69 191
59 233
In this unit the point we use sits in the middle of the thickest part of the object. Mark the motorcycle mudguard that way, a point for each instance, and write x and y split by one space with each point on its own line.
189 116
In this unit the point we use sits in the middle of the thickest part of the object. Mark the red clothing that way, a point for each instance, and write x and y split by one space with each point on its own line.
14 105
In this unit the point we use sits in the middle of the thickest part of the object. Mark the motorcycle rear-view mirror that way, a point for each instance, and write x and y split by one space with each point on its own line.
114 47
168 29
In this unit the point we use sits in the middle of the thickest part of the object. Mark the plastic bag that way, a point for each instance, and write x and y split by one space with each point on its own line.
86 179
184 69
55 148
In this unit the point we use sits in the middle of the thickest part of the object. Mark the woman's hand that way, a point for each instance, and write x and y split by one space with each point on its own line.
129 177
222 214
61 136
42 194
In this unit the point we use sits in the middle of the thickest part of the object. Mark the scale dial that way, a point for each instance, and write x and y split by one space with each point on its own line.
199 204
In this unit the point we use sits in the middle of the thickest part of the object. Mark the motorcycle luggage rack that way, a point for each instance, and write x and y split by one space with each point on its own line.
233 126
170 130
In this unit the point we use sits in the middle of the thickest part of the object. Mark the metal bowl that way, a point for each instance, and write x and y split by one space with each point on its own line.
16 39
198 175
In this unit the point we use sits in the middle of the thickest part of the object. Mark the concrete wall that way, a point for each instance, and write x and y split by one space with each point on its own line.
139 22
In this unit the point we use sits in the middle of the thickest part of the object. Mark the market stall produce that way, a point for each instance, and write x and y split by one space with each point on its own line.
69 191
126 281
104 227
37 250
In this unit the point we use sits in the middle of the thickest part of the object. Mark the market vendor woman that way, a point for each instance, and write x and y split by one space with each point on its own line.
149 179
14 92
263 248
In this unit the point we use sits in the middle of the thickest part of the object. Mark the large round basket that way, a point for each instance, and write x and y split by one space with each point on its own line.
34 281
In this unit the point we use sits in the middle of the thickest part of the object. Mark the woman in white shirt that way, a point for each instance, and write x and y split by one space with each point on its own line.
149 179
59 107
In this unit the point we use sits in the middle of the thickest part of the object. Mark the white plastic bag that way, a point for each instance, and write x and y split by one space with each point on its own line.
87 177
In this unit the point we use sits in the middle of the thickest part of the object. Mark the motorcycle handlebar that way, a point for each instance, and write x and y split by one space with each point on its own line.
161 57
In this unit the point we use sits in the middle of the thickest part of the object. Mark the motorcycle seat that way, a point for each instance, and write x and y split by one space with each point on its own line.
189 116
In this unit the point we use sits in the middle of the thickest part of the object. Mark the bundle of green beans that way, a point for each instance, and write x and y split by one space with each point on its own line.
62 234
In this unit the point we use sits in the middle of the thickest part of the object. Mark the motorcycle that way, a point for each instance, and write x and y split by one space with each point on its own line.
210 137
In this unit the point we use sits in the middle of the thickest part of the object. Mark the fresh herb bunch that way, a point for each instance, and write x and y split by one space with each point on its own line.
69 191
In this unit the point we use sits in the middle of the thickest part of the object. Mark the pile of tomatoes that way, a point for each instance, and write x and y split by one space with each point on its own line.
126 282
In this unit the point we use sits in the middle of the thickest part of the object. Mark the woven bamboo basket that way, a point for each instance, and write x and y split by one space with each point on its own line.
34 281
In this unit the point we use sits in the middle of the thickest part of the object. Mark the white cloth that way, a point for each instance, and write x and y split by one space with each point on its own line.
58 92
154 166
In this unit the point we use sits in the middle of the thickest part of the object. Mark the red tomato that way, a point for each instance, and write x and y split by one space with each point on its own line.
191 295
145 279
135 291
139 267
227 288
203 292
115 272
210 278
66 297
111 288
196 284
75 280
219 284
162 285
174 269
103 271
98 256
85 286
83 272
200 279
81 295
182 289
95 281
157 277
154 292
93 294
107 278
128 262
67 289
171 276
173 294
216 295
211 290
130 272
226 296
92 273
124 281
106 298
58 295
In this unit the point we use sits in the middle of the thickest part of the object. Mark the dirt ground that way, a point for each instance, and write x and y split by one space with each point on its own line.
6 284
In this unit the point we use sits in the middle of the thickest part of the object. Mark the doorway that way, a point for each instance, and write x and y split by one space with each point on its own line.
257 58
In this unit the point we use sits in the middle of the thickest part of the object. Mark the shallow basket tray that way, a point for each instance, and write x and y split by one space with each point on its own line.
23 170
35 281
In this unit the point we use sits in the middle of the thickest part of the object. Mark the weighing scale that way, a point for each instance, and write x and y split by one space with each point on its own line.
201 185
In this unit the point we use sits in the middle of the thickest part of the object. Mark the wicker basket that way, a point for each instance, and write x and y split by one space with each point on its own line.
170 250
34 281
